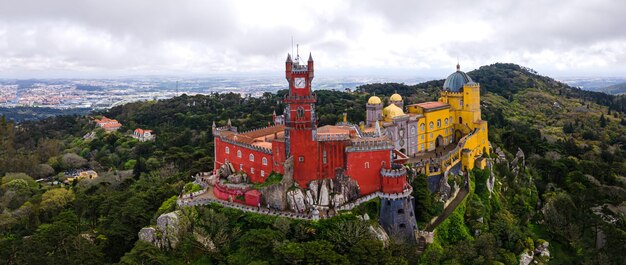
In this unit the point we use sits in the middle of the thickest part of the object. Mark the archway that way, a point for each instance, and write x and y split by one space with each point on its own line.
457 135
460 120
439 141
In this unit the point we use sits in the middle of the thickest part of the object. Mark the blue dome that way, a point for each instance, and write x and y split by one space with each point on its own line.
456 80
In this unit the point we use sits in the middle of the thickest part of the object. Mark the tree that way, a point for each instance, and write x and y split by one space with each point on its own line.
602 121
55 199
71 161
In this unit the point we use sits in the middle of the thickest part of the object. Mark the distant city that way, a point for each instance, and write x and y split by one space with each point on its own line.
107 93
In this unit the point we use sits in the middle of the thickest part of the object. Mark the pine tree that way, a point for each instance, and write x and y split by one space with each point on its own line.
602 121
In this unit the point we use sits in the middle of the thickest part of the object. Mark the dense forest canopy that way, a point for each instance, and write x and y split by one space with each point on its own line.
573 142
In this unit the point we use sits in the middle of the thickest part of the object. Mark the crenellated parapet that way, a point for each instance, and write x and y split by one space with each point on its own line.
248 146
393 173
335 137
370 145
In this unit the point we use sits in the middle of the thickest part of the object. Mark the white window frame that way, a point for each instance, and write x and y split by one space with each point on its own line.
264 161
251 157
227 150
239 153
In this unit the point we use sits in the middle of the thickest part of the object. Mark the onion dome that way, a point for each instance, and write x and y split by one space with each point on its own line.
457 80
395 97
392 111
374 100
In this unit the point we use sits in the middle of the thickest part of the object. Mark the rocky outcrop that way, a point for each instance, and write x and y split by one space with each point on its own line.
275 196
238 178
491 181
167 232
296 200
444 189
519 162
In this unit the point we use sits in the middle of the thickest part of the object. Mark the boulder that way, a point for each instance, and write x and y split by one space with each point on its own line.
170 225
314 189
275 196
296 200
149 235
324 196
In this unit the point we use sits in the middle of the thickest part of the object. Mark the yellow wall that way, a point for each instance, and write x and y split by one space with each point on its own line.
443 130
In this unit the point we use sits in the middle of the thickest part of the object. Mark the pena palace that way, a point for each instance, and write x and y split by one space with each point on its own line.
431 136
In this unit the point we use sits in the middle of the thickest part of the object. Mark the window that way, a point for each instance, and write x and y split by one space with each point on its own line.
300 112
412 130
227 150
431 136
251 157
460 120
301 159
431 145
240 167
422 127
383 163
251 170
401 211
367 164
264 160
324 156
239 153
262 173
431 125
422 137
445 121
439 123
422 147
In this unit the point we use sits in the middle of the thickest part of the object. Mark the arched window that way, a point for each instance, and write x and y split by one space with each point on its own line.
367 164
240 167
439 123
300 112
383 163
445 121
252 157
264 160
227 150
431 125
422 127
412 130
239 153
262 173
251 170
460 120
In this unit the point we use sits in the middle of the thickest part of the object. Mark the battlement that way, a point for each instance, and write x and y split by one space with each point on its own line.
332 137
369 145
300 99
393 173
248 146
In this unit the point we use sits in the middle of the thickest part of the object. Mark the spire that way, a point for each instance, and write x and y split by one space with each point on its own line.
458 66
377 129
288 58
229 123
213 124
310 57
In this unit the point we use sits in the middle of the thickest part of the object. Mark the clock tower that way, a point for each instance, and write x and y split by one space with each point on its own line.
300 120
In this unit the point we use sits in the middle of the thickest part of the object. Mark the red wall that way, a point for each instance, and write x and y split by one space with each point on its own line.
394 185
369 179
302 145
278 153
221 156
335 158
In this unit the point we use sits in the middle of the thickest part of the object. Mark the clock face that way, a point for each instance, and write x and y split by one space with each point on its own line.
299 82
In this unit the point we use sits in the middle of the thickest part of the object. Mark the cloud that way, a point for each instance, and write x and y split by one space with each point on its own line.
422 38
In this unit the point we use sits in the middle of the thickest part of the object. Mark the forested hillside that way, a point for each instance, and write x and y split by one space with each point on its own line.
573 141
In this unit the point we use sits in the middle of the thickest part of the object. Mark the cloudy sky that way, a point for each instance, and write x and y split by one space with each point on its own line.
94 38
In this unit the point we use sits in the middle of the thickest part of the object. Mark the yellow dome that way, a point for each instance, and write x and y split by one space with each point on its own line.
374 100
392 111
395 97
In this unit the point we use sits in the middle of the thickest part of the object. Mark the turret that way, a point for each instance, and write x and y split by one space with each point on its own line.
288 67
310 67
